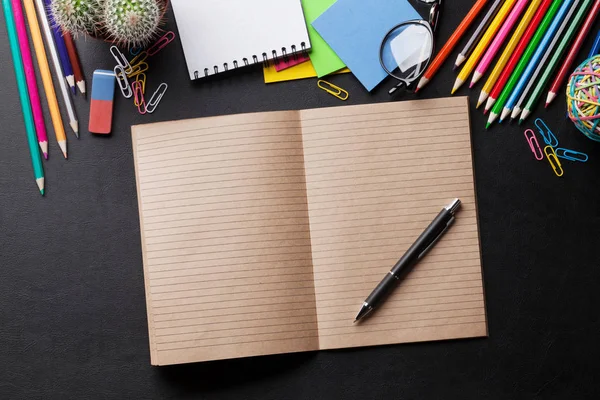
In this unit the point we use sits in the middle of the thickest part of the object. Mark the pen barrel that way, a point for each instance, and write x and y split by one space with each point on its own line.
422 244
382 290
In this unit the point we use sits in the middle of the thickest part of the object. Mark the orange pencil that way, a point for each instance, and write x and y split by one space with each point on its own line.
451 43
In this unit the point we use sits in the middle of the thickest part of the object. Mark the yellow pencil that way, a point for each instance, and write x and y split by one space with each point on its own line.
40 53
483 44
507 53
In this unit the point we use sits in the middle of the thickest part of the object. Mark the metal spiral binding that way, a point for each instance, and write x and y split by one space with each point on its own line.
285 55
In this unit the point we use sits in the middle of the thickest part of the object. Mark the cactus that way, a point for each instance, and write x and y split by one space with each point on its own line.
77 16
132 23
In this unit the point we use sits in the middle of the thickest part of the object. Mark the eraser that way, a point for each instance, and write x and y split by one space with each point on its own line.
101 104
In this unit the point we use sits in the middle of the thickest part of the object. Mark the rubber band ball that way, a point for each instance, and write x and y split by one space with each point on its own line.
583 98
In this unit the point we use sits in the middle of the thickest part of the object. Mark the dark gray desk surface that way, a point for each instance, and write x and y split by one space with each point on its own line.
72 310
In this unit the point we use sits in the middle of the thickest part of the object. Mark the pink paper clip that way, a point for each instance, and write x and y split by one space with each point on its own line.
138 97
161 43
534 145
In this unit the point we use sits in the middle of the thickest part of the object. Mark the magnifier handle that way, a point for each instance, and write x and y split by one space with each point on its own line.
434 13
395 88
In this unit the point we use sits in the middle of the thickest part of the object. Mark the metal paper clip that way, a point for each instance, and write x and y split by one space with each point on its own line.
553 160
534 145
141 78
134 51
123 82
161 43
332 89
156 97
571 155
120 58
546 133
137 69
138 97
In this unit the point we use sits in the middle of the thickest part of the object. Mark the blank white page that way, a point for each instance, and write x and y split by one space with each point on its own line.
376 176
216 34
225 237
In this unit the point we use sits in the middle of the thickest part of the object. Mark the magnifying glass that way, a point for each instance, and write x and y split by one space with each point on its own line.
407 48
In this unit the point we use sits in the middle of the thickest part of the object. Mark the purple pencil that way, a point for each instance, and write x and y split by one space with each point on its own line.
62 49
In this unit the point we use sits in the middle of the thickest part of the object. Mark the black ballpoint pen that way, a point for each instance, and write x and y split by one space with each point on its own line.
426 241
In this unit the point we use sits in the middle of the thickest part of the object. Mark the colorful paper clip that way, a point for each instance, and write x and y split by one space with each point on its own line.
138 59
141 78
137 69
333 90
123 82
120 58
156 98
553 160
546 133
534 145
571 155
138 97
161 43
134 51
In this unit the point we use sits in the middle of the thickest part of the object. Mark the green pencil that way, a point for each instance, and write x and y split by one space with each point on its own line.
13 40
531 47
556 57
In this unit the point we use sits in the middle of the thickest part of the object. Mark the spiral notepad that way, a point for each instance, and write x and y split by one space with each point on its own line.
219 35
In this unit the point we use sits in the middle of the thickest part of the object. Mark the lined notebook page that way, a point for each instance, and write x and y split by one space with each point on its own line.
376 176
225 236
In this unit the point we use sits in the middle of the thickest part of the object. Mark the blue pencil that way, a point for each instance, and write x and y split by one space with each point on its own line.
535 59
62 49
596 47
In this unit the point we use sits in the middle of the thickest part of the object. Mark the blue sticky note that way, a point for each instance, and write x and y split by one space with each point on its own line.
354 29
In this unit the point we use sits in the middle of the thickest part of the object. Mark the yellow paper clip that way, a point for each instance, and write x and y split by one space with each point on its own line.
141 78
138 69
333 90
141 57
553 160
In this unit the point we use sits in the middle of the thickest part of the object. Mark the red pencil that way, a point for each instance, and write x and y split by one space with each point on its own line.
450 44
566 65
516 56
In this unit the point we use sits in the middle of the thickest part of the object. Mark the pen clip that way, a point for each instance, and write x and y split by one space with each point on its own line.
434 241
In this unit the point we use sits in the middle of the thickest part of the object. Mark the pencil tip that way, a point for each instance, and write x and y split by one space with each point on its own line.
46 156
520 121
487 125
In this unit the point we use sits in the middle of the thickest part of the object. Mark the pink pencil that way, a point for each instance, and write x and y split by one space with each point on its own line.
34 95
496 44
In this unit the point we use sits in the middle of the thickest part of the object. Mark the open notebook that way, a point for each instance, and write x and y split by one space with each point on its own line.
218 35
263 233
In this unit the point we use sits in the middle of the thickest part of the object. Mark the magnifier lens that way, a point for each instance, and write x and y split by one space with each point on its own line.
407 50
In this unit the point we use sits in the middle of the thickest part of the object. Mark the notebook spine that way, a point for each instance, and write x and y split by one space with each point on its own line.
266 59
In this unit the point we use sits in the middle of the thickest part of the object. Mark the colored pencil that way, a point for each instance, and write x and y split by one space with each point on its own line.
529 51
496 44
595 46
515 57
61 47
553 63
451 43
40 52
57 67
481 28
487 37
540 56
509 50
565 68
74 58
36 159
34 94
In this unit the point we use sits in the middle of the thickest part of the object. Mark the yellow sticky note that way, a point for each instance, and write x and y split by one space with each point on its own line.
300 71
